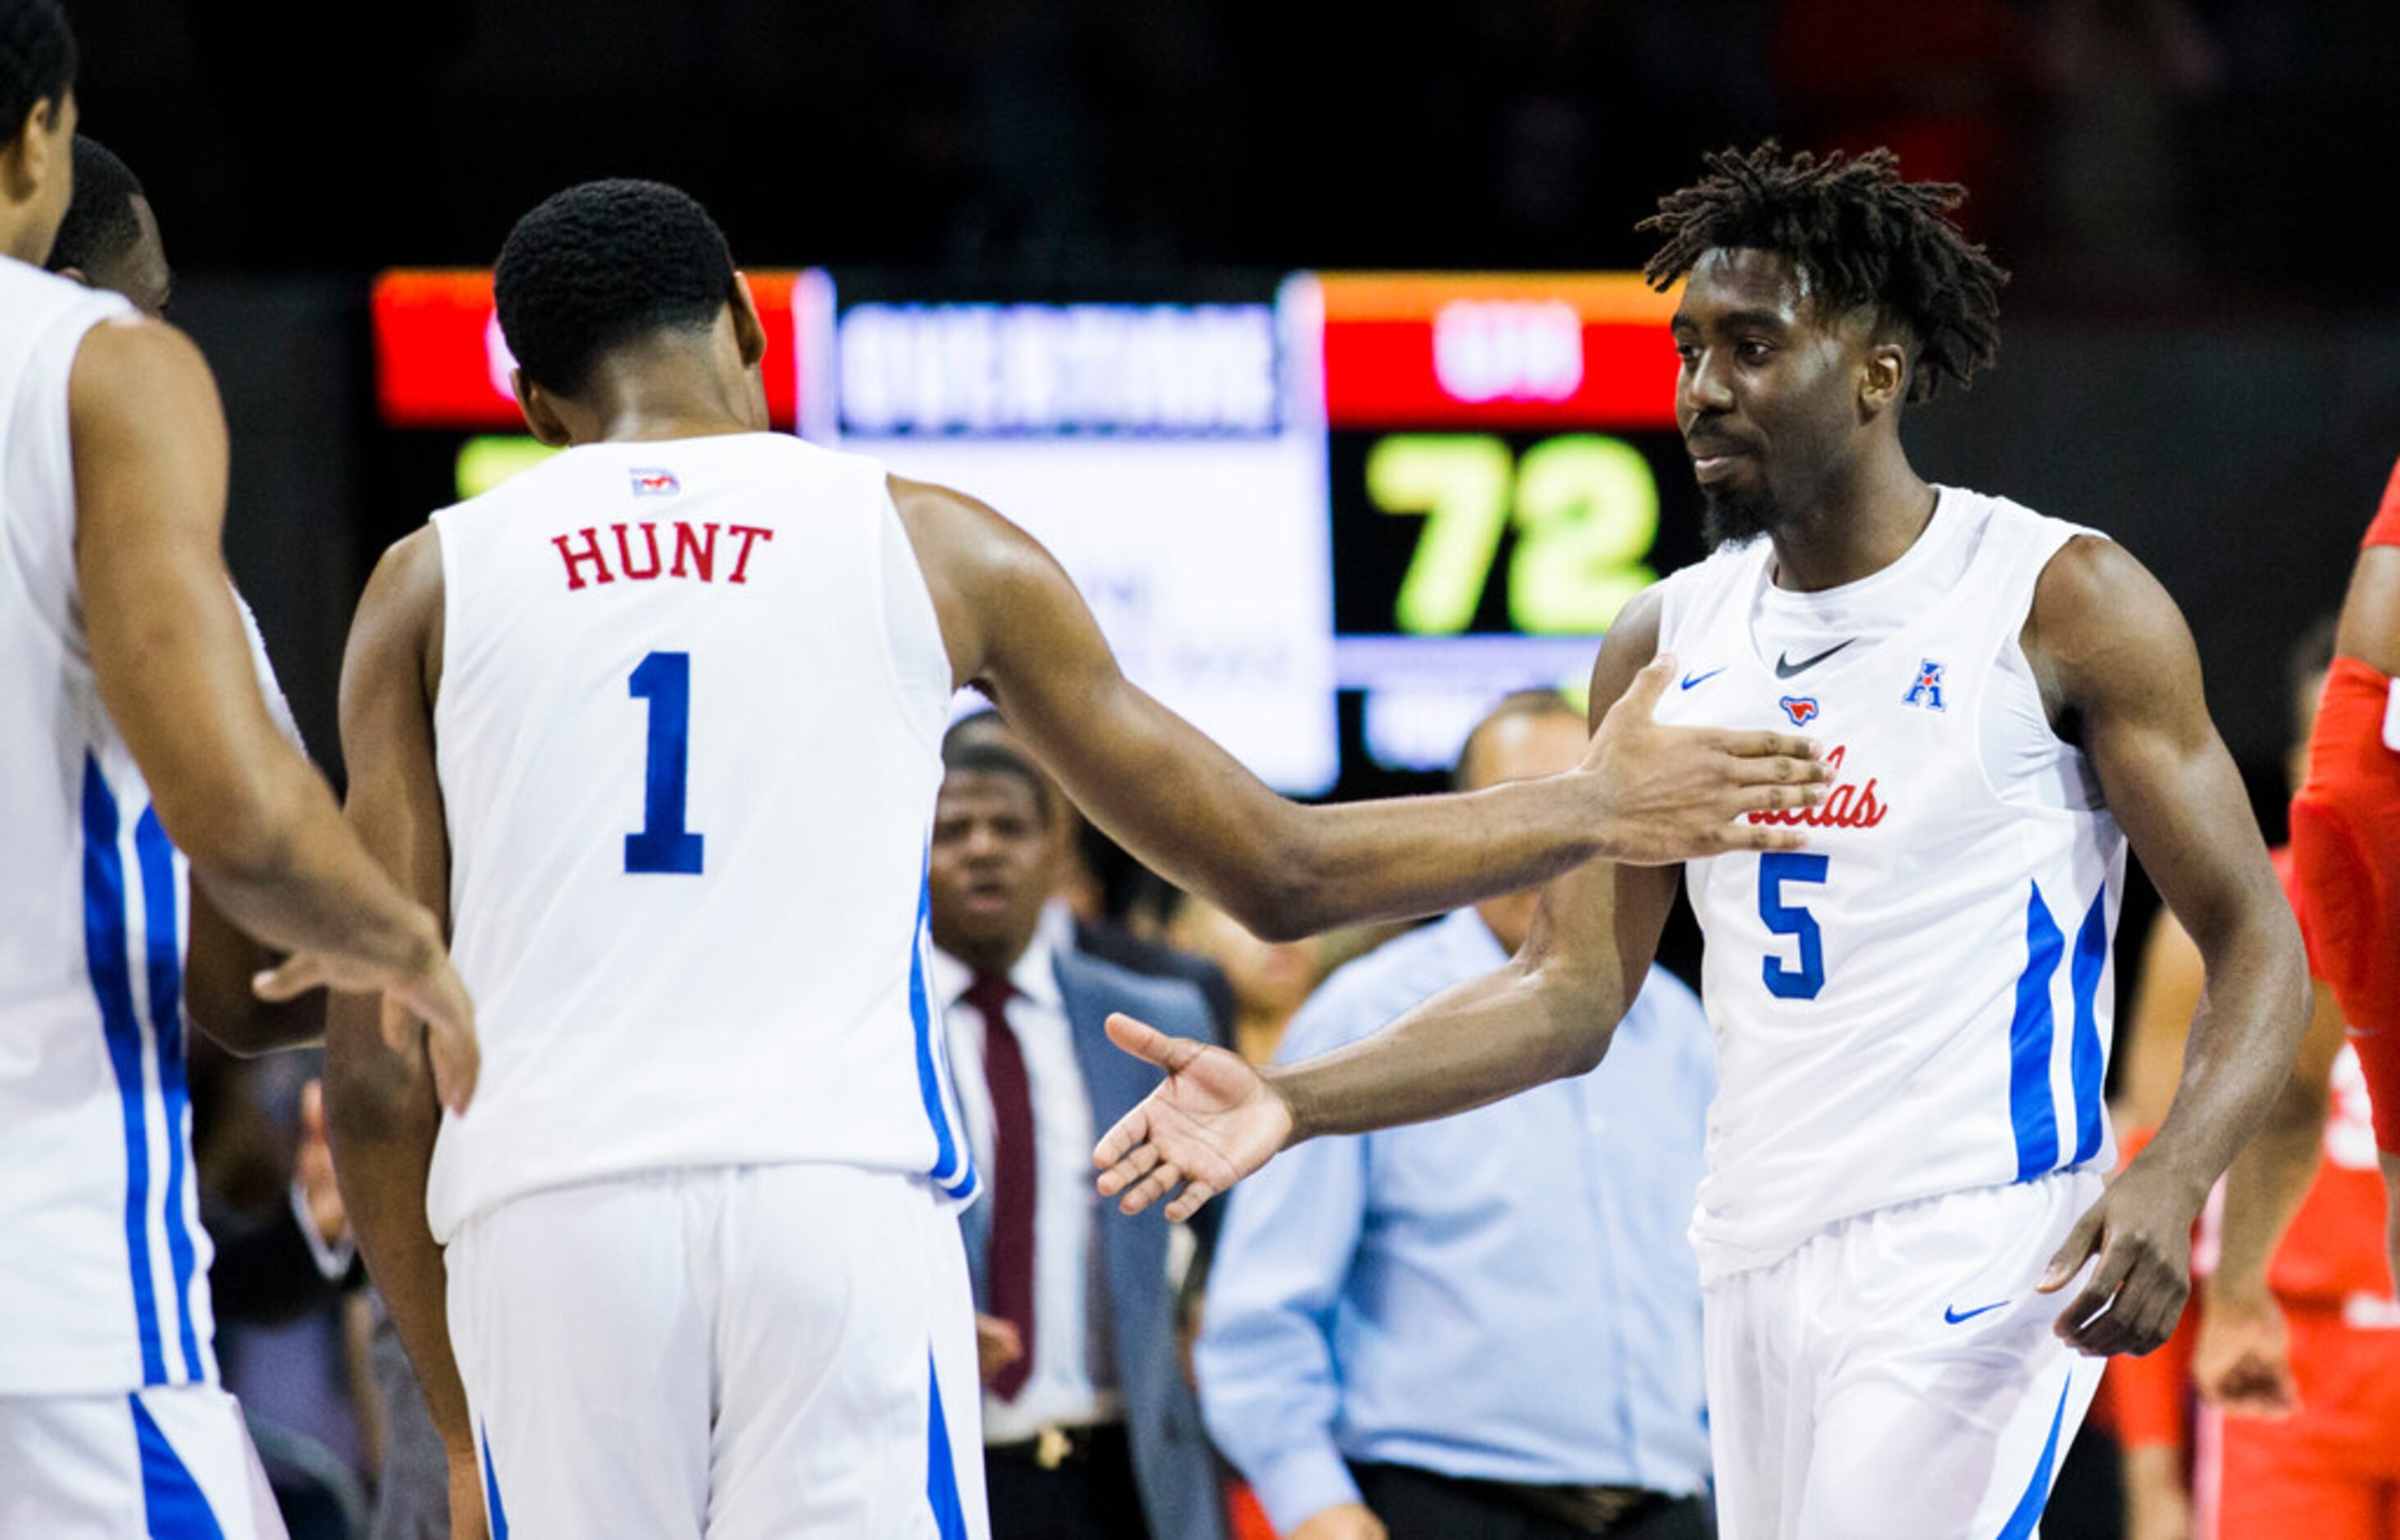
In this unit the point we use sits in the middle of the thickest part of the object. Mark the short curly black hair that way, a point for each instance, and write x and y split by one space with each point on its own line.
99 226
38 59
594 266
1860 235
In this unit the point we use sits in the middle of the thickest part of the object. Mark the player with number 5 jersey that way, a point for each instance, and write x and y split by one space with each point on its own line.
1906 1152
656 725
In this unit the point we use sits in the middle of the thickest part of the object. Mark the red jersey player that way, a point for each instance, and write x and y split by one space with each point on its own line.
2325 1461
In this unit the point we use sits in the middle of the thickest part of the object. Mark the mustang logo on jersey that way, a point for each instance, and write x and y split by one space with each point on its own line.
694 545
655 484
1926 691
1848 806
1800 708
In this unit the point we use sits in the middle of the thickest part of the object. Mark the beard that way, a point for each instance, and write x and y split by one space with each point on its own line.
1729 516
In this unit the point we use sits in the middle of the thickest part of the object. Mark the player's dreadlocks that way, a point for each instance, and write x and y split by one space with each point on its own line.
1858 235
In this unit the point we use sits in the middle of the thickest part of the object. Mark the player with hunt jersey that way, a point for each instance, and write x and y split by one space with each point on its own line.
1911 1015
137 755
656 725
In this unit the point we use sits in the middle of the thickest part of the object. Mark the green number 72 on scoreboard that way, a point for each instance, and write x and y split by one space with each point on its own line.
1585 508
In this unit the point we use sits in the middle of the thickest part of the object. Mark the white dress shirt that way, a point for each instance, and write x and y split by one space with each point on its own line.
1071 1383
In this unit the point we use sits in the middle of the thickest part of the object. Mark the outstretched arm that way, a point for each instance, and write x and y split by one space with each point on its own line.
1549 1013
2119 672
266 841
379 1100
1015 625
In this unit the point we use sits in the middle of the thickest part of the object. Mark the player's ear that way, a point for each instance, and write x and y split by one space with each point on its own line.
1883 379
749 332
540 414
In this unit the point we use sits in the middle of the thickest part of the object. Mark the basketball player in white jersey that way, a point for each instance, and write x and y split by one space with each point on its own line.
1907 1151
656 725
136 753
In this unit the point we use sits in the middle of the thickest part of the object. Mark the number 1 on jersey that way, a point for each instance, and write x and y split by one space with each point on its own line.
663 844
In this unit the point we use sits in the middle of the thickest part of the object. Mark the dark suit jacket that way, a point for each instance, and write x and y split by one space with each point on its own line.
1173 1461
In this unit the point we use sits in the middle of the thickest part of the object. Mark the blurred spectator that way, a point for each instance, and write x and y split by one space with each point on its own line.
1090 1429
2307 1441
1096 885
1488 1325
1270 980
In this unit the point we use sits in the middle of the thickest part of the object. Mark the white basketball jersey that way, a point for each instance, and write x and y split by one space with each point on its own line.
1920 1002
688 734
103 1266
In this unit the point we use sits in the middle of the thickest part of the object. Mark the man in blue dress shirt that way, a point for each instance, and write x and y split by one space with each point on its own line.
1489 1325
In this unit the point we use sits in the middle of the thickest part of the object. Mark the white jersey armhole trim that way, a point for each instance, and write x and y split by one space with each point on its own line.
2010 658
893 532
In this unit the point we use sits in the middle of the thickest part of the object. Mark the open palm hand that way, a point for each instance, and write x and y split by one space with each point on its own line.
1213 1120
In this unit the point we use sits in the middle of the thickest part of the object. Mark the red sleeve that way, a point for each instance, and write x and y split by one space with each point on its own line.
2346 847
2385 529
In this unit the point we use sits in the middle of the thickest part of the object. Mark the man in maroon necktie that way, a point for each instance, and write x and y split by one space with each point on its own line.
1090 1428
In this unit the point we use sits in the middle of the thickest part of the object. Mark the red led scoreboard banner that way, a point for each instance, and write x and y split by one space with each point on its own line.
1400 350
1497 351
442 362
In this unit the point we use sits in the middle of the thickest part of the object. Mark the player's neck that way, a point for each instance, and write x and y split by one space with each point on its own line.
663 397
1856 527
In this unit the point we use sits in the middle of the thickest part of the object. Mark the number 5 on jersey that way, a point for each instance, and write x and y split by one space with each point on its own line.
1775 869
663 844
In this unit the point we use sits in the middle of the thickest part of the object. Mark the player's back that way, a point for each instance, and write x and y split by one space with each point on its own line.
687 730
103 1262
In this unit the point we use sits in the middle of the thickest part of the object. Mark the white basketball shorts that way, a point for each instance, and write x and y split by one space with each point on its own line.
733 1353
1896 1378
172 1463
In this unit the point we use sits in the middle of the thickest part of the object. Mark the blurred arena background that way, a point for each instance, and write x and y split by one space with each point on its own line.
1292 326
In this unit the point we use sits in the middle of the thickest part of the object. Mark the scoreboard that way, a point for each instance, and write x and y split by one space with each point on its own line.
1278 495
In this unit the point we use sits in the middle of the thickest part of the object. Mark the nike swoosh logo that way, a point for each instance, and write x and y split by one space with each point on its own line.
1691 680
1952 1315
1785 668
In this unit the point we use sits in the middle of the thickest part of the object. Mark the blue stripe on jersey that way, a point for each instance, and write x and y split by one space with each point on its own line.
2032 1111
106 956
495 1516
2027 1513
159 928
953 1169
173 1503
2088 1062
941 1474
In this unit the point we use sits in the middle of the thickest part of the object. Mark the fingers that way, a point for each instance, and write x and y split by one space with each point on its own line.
1121 1142
2072 1253
1162 1179
295 976
1145 1042
1642 696
1130 1166
1804 755
1194 1195
312 1112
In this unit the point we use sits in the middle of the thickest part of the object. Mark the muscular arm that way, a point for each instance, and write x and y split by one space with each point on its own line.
2119 669
380 1102
1549 1013
1015 625
266 841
